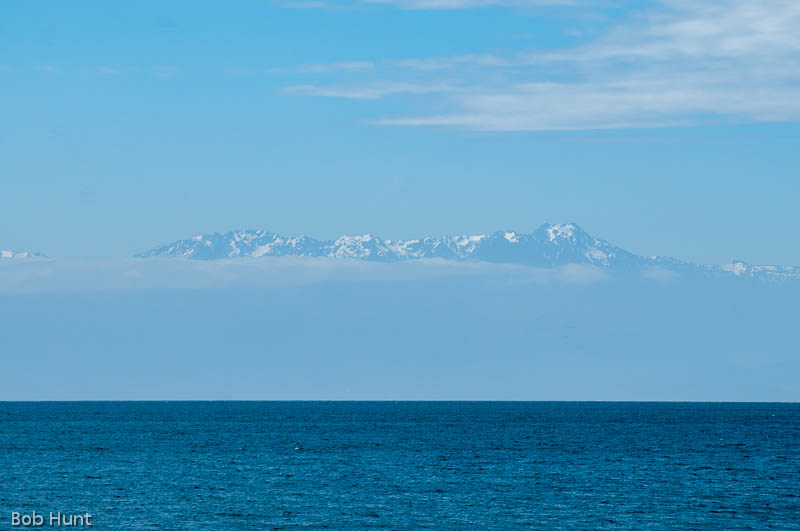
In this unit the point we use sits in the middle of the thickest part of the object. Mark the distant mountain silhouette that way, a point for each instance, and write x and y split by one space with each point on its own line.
548 246
11 255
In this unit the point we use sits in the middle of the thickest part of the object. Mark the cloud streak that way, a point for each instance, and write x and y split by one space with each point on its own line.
431 4
347 66
469 4
684 62
37 276
373 91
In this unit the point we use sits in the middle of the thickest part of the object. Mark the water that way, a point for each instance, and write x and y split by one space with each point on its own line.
406 465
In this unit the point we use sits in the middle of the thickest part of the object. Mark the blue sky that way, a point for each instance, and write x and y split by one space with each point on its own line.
668 127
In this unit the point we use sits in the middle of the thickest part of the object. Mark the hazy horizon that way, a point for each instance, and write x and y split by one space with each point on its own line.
665 128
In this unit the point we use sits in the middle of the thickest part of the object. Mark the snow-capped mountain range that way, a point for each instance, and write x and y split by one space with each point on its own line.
548 246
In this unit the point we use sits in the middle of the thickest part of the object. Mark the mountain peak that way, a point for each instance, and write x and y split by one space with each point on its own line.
562 231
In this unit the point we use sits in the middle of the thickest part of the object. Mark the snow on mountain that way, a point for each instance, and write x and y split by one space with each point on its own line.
11 255
237 244
763 272
548 246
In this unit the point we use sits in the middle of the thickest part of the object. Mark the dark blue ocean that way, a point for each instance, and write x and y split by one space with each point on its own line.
404 465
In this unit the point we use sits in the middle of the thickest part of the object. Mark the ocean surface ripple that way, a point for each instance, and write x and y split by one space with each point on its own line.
404 465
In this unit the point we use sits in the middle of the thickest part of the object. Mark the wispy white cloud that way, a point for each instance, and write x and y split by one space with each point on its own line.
683 62
166 72
347 66
305 4
373 91
701 30
316 68
632 102
48 68
466 4
442 63
429 4
107 70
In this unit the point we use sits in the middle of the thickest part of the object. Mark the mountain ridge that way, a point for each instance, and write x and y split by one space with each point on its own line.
550 245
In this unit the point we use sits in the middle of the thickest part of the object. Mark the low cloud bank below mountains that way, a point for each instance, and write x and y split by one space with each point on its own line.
168 274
